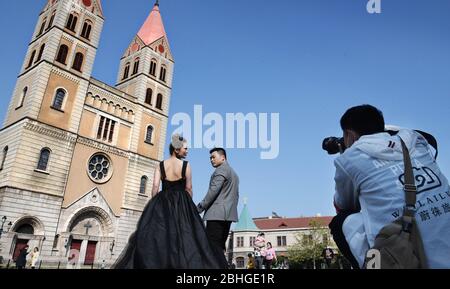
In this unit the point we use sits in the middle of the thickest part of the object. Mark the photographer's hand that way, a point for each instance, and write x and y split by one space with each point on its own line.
341 149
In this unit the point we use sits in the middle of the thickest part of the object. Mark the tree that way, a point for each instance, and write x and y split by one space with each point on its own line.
309 246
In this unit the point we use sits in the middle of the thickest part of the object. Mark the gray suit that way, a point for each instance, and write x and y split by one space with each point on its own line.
220 203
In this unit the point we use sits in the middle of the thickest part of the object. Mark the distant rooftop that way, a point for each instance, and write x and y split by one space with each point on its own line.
245 222
289 223
275 222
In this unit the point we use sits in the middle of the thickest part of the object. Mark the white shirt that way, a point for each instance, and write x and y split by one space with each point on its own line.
368 177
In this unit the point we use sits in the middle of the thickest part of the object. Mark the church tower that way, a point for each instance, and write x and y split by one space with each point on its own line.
77 155
146 68
53 80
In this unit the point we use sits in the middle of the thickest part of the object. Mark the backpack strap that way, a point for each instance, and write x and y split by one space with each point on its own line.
163 171
409 224
183 171
409 184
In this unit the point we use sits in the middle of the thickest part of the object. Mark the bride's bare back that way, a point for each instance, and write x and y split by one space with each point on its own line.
173 170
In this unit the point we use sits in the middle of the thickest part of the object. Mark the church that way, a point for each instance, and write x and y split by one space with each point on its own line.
77 155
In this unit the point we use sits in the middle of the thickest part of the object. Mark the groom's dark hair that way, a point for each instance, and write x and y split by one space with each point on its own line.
220 151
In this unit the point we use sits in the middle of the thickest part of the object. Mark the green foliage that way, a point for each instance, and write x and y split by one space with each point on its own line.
307 251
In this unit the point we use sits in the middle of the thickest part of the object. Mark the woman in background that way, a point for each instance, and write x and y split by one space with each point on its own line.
34 257
271 256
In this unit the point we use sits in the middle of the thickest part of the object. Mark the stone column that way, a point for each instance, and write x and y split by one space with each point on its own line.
83 252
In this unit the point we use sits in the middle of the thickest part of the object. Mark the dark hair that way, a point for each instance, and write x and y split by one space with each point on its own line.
171 149
364 119
249 254
220 151
268 243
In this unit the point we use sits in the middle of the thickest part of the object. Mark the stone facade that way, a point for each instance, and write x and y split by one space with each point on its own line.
76 171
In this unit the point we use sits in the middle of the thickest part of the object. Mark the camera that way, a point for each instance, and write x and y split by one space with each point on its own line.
333 145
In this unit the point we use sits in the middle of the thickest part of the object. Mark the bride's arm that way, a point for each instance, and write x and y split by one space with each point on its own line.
189 180
156 181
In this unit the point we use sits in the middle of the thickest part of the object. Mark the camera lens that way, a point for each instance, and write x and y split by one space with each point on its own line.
333 145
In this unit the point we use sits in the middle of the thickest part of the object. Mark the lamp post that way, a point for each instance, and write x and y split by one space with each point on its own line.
111 246
3 224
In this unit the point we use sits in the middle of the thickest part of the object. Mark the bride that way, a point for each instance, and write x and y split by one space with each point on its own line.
170 233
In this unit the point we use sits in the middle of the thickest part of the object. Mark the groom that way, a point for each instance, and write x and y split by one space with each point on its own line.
220 203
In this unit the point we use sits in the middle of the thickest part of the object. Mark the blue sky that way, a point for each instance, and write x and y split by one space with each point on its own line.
308 60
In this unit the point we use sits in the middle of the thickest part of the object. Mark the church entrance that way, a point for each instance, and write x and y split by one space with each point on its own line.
90 253
89 236
85 233
20 244
27 231
90 233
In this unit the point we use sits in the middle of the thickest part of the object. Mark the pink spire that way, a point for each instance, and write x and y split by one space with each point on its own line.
153 28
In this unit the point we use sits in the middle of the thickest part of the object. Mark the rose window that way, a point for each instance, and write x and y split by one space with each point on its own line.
99 168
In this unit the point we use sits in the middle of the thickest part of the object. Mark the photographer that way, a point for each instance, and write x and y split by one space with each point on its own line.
369 187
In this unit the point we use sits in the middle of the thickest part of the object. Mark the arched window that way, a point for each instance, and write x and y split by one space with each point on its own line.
5 152
86 32
143 186
162 75
43 159
72 22
33 54
62 54
126 72
153 67
41 30
22 96
59 99
50 23
240 262
69 21
41 51
148 96
159 101
149 134
78 61
25 229
136 66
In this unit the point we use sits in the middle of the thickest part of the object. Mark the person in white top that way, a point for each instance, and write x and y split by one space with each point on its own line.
369 188
34 257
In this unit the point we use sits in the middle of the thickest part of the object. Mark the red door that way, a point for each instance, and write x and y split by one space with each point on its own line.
74 254
20 244
90 253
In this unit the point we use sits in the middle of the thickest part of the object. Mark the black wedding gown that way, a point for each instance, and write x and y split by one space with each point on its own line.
170 233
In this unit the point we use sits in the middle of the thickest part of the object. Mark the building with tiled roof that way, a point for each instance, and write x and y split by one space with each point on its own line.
281 232
288 223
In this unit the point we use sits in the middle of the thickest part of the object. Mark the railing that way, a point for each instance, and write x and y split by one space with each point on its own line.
10 264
